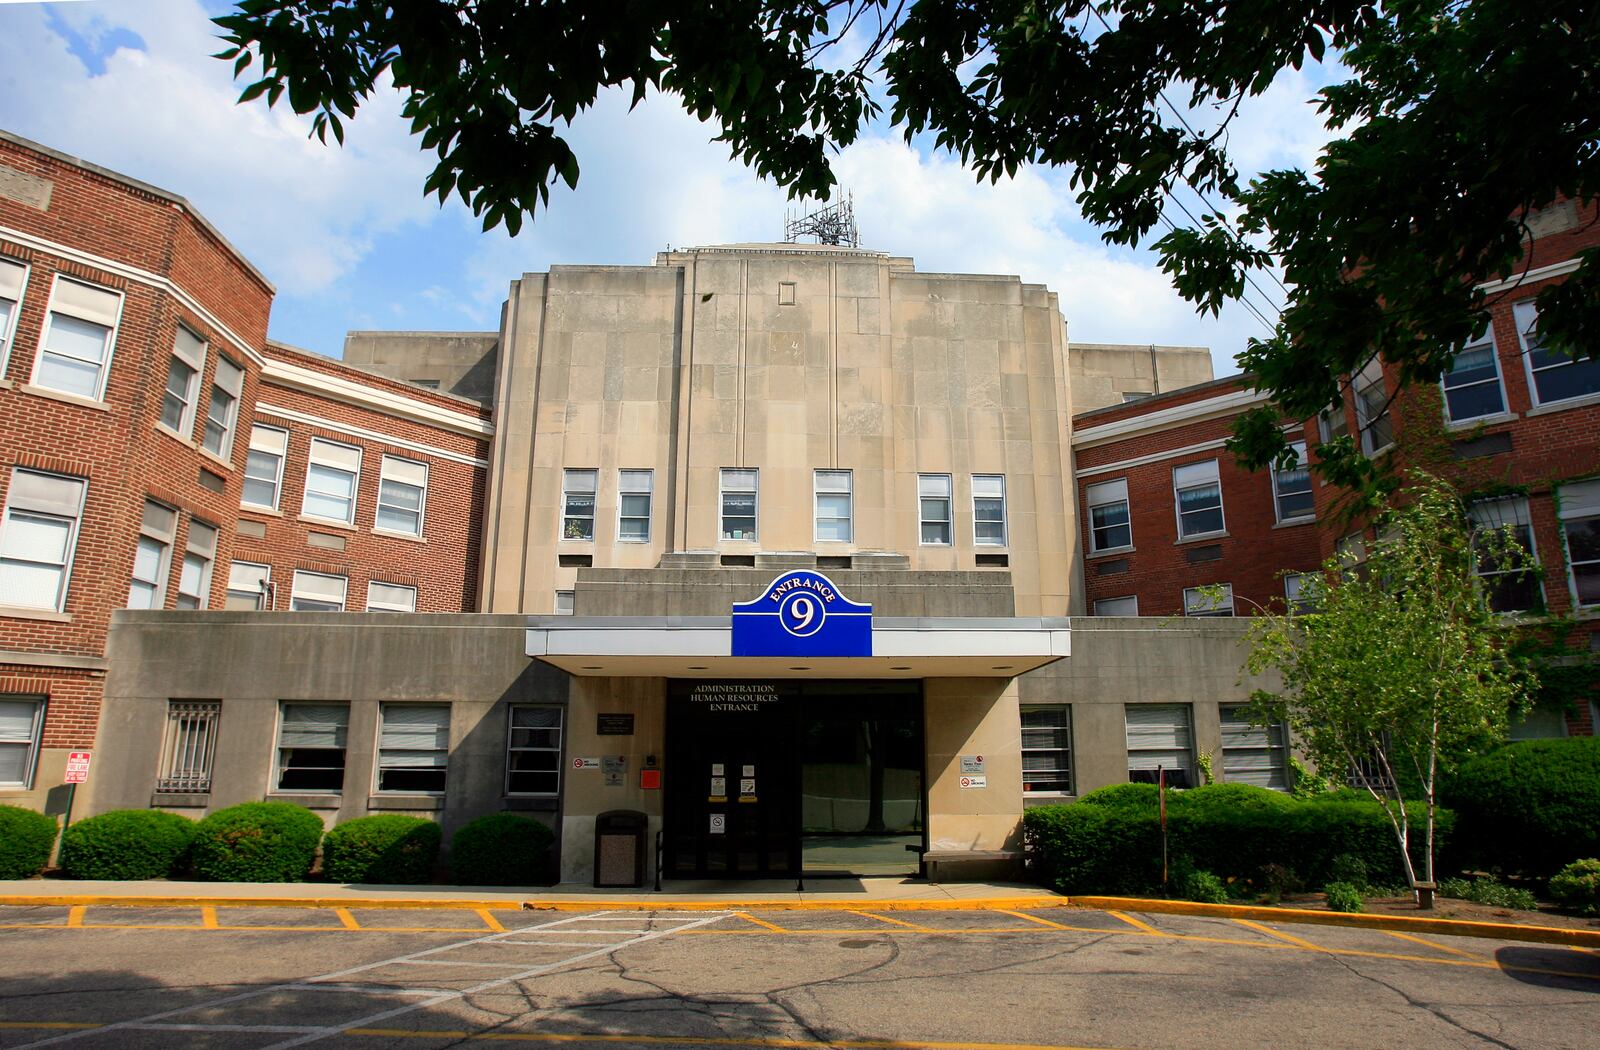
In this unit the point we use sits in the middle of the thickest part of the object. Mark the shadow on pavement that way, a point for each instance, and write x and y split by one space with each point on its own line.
1551 967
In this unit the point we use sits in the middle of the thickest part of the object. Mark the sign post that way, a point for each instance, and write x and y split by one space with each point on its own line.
77 773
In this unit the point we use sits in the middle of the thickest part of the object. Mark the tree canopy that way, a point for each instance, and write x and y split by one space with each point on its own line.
1456 120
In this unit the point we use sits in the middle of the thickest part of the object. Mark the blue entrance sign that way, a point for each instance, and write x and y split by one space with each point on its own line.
802 613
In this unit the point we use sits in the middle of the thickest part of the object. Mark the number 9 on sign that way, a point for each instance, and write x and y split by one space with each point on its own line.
801 614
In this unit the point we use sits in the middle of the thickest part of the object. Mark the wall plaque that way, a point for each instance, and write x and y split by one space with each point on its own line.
613 724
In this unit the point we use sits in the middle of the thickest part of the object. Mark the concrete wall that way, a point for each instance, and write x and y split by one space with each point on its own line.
1102 373
460 363
712 591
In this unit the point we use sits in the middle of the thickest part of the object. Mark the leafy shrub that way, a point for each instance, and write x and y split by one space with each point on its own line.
388 848
1123 796
501 849
1228 797
256 842
1204 887
1488 890
1280 879
126 844
1342 897
25 840
1347 867
1577 887
1529 807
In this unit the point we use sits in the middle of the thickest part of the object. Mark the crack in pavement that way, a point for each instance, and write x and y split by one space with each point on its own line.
1431 1008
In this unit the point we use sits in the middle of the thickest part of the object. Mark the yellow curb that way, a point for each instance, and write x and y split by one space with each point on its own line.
819 904
1503 931
399 904
565 905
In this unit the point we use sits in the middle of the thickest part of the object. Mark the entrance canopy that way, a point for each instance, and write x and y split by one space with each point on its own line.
703 647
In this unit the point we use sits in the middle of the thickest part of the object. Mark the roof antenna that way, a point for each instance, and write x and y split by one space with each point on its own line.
829 224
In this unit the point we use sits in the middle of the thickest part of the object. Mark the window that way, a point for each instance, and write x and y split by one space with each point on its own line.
1541 722
194 579
1332 422
1291 488
564 602
1213 599
391 597
183 381
633 506
1160 736
1300 589
263 469
1129 396
933 509
1472 385
414 748
311 745
1127 606
577 505
1109 525
333 472
13 279
21 718
1047 748
1555 376
1580 525
989 510
1372 408
402 496
1253 754
148 589
1199 499
533 750
1351 551
1510 581
189 746
249 586
832 489
317 592
75 352
37 540
738 503
226 387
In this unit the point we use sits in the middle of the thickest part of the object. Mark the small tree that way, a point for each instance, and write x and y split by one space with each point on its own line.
1400 667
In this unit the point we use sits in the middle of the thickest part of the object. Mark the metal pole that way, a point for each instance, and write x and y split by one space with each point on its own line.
1161 781
66 820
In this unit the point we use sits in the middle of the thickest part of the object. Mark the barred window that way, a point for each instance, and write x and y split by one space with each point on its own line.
190 746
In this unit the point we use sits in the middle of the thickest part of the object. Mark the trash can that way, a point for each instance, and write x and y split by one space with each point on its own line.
619 848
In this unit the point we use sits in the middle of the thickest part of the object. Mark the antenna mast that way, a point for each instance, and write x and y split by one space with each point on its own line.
829 224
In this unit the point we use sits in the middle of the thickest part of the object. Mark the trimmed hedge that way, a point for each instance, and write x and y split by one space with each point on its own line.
1577 887
501 849
25 840
1236 834
126 844
1529 807
387 848
256 842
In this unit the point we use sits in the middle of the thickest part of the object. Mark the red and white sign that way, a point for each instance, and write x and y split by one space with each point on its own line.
77 767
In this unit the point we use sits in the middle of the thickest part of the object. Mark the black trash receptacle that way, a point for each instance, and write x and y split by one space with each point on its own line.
619 848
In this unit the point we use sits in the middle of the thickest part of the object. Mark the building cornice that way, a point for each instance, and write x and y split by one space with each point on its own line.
309 380
292 416
1166 418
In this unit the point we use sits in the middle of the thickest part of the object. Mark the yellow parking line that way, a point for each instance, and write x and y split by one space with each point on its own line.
1142 927
208 918
763 923
75 914
12 1026
346 920
1431 944
892 922
1298 942
489 920
690 1040
1035 918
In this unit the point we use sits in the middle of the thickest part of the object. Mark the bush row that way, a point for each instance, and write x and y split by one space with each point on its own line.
1529 808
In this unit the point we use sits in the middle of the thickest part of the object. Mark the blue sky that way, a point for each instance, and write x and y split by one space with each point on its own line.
351 243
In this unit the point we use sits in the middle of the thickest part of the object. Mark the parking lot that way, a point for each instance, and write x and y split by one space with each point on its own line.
256 977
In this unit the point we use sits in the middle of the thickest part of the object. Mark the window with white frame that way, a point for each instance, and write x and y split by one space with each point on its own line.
1540 722
577 504
633 505
1213 599
1047 748
739 503
832 492
317 592
1579 504
248 586
1332 422
402 496
37 539
194 579
189 746
152 557
21 719
226 388
1128 605
989 510
79 333
1110 527
933 509
13 279
1253 754
333 474
263 469
1301 590
413 748
1372 408
1509 578
311 746
1555 376
1472 386
188 361
565 600
1291 487
391 597
533 750
1160 737
1197 491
